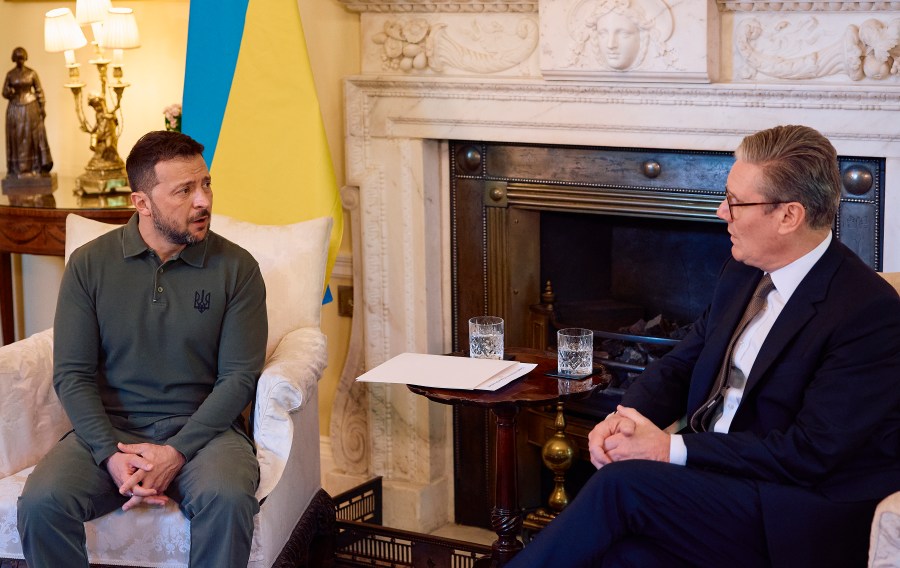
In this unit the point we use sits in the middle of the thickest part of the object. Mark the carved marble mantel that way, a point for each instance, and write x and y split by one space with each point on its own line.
710 73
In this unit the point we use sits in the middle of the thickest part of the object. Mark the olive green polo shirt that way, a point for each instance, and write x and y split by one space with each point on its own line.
137 340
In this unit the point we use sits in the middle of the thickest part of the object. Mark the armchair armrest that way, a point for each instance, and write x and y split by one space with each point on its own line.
287 385
884 539
31 416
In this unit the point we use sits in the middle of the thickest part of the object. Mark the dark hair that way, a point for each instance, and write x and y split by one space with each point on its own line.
152 148
19 50
798 164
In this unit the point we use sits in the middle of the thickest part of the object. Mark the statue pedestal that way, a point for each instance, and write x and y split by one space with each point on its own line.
29 184
33 190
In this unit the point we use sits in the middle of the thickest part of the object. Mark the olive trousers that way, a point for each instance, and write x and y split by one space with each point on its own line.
215 490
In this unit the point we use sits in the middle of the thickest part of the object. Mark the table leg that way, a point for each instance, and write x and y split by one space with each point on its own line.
506 518
6 299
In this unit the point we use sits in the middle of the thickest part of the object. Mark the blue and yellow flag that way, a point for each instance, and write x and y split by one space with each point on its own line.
249 97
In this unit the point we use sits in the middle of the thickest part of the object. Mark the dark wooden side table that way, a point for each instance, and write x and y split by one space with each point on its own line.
42 230
534 389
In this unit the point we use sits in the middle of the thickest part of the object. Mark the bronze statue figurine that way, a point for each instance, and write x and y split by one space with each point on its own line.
27 151
28 179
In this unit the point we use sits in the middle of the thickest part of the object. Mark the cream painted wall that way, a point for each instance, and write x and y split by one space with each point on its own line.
156 73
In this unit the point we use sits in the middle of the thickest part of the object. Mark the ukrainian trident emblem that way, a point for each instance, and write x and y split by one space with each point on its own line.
201 301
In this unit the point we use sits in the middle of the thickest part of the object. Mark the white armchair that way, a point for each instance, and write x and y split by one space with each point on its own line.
884 539
285 424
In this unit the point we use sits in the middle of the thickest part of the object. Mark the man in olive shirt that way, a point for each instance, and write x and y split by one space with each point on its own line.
160 339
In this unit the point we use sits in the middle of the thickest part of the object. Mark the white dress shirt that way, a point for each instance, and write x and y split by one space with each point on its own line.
786 279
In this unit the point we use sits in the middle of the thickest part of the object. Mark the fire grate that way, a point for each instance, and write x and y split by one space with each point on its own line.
362 541
361 544
361 504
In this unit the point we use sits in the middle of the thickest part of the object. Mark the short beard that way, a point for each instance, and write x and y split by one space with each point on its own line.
172 234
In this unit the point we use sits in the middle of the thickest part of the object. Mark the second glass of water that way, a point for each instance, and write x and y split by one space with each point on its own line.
575 351
486 337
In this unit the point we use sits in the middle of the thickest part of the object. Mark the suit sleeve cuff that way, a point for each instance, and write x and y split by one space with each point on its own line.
677 450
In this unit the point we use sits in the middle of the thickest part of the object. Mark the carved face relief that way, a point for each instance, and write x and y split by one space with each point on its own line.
618 41
618 36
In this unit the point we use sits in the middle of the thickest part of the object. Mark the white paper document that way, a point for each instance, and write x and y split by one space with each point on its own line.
447 372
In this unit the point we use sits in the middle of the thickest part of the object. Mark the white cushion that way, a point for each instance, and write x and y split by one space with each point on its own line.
291 258
10 489
26 382
81 230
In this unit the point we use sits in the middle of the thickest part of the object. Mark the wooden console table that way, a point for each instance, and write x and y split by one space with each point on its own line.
42 230
534 389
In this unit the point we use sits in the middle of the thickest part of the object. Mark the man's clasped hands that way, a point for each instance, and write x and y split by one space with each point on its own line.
627 435
143 472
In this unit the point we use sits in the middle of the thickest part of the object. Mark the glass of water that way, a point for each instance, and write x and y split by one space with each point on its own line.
486 337
575 351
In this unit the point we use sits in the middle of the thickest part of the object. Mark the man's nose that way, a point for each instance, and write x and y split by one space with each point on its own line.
202 199
723 212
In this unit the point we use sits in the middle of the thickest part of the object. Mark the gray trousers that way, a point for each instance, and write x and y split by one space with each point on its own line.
215 491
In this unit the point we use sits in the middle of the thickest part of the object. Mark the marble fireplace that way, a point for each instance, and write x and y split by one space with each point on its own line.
689 75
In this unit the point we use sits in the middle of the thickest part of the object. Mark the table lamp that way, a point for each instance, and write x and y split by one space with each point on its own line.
111 28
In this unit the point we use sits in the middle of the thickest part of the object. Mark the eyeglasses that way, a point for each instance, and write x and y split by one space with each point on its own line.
730 205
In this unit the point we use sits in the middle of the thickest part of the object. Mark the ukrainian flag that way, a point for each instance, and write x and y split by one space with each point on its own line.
250 99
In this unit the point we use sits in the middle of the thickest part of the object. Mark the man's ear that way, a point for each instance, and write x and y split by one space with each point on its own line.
793 217
141 202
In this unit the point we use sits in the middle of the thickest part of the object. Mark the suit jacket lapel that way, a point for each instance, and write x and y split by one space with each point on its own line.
796 313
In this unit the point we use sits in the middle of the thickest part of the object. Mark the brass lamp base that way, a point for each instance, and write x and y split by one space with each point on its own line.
99 181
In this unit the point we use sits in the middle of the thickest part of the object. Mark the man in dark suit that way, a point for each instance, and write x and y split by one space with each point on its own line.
790 393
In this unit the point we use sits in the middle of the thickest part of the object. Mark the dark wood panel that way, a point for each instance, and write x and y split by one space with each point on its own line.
32 230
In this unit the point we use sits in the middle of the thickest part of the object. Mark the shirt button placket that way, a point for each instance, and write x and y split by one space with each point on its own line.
157 286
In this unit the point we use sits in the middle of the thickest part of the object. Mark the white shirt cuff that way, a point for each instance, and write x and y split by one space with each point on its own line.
677 450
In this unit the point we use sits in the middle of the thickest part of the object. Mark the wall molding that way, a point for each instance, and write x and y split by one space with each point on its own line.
817 6
440 6
343 266
522 6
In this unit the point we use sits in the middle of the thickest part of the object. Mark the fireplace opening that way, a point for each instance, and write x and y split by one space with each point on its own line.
654 266
624 276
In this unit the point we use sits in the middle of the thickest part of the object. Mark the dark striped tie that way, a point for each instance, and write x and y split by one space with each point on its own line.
700 421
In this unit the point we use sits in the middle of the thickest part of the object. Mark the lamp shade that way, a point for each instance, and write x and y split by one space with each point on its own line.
61 32
91 11
120 30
